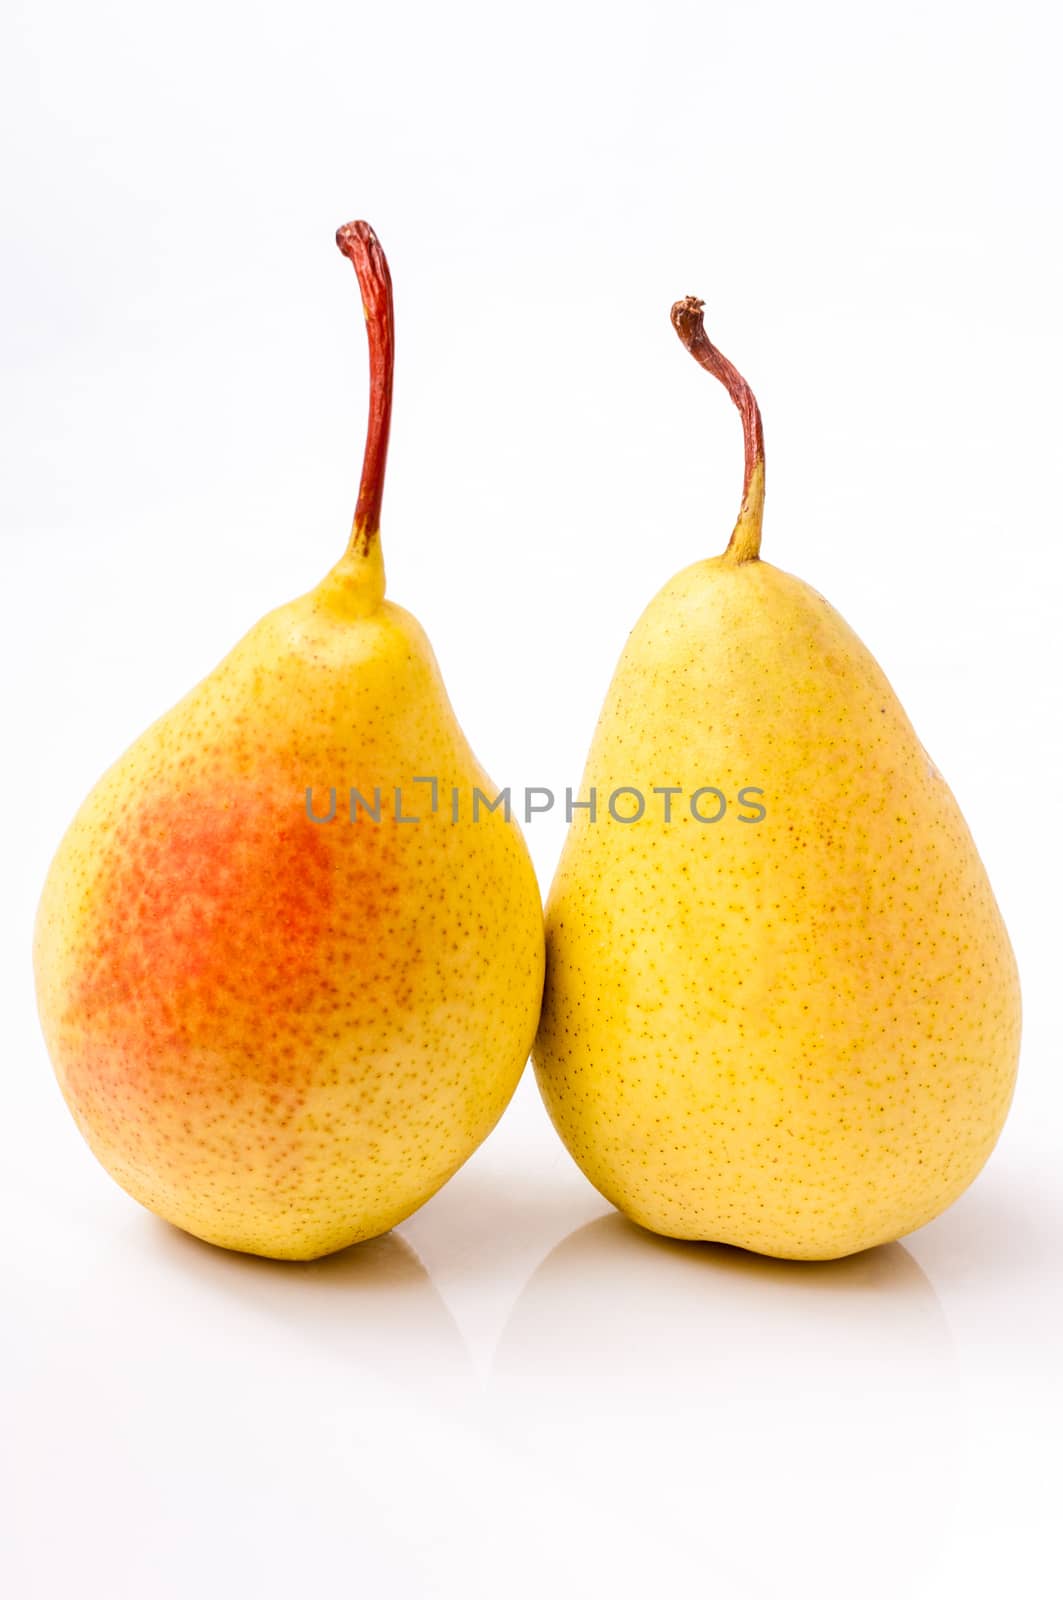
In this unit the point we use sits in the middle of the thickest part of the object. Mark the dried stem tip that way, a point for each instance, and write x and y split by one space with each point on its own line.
362 248
689 324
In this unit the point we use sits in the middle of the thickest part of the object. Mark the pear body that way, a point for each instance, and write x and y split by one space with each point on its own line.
283 1035
797 1034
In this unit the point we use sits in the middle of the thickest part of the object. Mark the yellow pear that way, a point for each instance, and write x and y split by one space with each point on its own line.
289 962
781 1009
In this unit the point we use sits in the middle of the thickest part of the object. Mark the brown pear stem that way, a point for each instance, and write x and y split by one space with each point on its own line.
362 248
689 324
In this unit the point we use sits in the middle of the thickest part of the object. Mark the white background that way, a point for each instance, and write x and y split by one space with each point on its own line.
518 1394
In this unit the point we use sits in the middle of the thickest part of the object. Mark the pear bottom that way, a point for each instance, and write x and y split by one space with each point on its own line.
728 1197
809 1162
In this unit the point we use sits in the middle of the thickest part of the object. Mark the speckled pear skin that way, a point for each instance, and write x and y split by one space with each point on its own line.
799 1035
284 1036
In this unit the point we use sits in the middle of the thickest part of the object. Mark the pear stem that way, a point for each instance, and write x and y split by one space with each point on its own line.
362 248
689 324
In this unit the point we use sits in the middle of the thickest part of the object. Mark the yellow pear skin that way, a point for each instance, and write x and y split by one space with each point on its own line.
284 1034
794 1029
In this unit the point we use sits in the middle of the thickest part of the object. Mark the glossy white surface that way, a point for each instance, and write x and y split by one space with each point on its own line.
519 1391
517 1394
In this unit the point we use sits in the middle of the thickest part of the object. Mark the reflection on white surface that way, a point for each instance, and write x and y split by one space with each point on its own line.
518 1401
193 1421
768 1410
373 1305
521 1394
